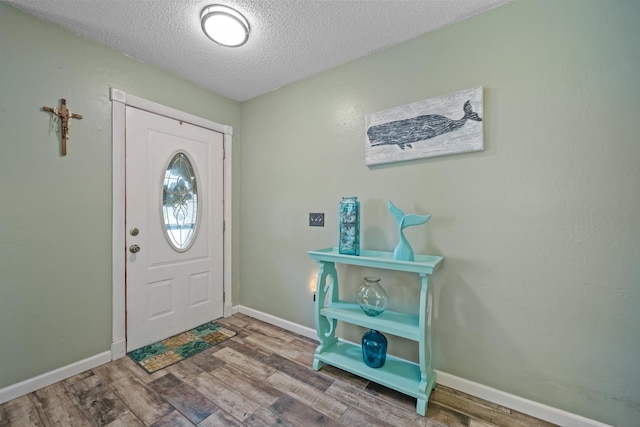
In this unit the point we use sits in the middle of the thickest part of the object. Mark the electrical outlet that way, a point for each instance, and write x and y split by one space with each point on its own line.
316 220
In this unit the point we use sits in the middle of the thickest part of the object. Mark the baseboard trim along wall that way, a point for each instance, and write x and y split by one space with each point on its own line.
48 378
276 321
529 407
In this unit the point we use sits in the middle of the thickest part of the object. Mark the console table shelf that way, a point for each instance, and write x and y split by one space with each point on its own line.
391 322
379 259
396 373
414 379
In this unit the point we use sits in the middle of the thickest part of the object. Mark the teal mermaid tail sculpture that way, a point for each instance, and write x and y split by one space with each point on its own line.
403 250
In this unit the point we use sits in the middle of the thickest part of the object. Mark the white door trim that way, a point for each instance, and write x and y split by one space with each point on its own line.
119 100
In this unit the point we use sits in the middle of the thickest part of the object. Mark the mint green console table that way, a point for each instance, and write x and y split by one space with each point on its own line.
416 380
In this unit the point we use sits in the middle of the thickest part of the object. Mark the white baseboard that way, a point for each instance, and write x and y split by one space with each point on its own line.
284 324
529 407
48 378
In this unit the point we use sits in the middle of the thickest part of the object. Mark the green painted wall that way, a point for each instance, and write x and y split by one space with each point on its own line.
539 291
55 213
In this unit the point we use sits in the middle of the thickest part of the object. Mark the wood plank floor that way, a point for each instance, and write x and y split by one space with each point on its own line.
261 377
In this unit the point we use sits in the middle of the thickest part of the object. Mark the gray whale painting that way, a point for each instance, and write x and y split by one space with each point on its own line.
429 128
404 132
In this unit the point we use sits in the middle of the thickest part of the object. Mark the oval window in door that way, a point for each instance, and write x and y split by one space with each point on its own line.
180 202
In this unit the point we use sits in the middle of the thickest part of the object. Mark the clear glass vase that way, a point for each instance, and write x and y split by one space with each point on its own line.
372 297
374 349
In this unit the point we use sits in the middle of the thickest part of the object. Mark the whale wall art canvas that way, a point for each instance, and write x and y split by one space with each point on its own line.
449 124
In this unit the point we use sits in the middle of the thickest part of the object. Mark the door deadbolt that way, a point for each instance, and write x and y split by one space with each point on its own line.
134 249
134 231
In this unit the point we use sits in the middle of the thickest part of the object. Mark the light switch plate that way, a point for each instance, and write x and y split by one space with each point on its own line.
316 220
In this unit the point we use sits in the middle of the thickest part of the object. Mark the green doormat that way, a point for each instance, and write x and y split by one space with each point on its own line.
161 354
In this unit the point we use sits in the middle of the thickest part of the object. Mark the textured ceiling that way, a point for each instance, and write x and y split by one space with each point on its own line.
289 40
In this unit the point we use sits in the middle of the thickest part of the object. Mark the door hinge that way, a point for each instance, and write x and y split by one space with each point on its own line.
224 296
224 153
224 226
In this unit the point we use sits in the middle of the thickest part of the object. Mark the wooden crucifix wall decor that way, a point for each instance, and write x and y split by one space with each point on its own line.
63 114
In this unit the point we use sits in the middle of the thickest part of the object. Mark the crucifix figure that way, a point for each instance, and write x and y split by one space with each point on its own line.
64 115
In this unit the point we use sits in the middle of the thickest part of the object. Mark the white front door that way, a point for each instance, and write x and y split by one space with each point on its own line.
174 223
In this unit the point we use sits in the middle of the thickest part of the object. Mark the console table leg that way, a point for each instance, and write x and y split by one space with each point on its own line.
327 288
317 364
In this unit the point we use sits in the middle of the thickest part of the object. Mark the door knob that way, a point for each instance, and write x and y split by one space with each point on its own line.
134 249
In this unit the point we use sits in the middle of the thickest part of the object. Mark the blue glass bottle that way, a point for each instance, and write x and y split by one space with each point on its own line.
374 349
349 216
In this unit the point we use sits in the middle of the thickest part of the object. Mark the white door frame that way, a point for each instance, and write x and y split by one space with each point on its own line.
119 100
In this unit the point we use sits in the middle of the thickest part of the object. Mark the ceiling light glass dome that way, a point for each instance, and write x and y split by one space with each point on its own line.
225 26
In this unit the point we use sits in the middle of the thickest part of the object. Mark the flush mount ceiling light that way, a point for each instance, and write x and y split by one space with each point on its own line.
224 25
